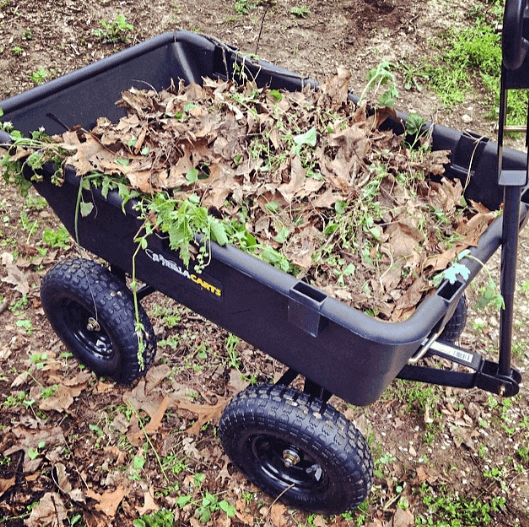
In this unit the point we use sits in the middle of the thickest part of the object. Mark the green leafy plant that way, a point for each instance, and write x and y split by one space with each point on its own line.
182 221
161 518
114 31
243 7
39 76
58 238
379 76
300 12
206 506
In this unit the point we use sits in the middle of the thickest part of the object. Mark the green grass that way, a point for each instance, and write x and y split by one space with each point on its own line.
450 510
468 60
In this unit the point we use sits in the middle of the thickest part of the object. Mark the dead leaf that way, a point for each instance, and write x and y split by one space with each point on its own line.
413 294
20 379
224 473
104 387
149 504
29 440
245 517
85 151
336 88
109 501
236 381
15 276
62 478
156 375
63 398
142 401
403 518
50 511
156 419
135 435
327 199
277 513
204 412
6 484
297 180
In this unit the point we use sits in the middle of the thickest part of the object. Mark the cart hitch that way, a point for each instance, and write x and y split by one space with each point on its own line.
486 376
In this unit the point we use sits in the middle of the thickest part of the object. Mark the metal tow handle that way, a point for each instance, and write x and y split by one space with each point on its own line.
514 45
514 51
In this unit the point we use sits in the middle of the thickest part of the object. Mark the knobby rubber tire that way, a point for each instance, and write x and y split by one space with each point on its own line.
455 326
333 468
92 311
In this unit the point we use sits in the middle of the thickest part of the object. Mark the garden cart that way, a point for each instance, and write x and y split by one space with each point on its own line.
292 443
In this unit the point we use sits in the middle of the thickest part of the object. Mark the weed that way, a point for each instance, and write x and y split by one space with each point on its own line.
174 464
243 7
248 497
233 357
381 462
170 316
15 400
497 475
34 202
523 453
39 76
18 307
39 360
138 462
17 50
451 510
28 34
381 75
56 239
300 12
25 324
114 31
50 391
208 505
161 518
478 325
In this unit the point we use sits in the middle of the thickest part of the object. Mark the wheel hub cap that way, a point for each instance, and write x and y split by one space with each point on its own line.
290 457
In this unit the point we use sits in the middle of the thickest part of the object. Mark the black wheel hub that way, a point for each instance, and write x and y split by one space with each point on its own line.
88 331
286 464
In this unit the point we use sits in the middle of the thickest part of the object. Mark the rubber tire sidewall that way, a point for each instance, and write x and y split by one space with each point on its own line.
108 300
455 326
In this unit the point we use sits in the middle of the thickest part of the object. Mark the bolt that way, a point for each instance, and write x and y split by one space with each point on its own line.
290 458
501 390
93 325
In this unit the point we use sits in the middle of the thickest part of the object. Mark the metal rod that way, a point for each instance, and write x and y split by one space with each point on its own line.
509 252
515 128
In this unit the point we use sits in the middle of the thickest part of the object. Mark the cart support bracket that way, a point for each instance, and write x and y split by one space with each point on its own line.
486 374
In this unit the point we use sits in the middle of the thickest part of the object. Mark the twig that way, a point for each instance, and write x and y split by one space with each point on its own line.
149 441
268 5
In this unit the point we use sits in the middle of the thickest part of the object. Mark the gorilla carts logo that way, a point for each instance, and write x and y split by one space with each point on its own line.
204 282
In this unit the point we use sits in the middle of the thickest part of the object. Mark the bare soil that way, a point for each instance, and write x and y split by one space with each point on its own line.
73 442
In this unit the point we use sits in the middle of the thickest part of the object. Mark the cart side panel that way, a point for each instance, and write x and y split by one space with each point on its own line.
349 354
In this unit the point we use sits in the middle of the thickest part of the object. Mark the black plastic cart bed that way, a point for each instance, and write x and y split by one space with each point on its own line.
290 443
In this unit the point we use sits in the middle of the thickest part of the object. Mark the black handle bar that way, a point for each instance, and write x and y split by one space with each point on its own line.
514 45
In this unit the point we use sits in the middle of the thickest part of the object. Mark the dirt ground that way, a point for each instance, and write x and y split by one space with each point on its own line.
73 448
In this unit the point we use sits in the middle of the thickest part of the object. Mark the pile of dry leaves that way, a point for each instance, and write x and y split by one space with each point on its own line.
349 207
